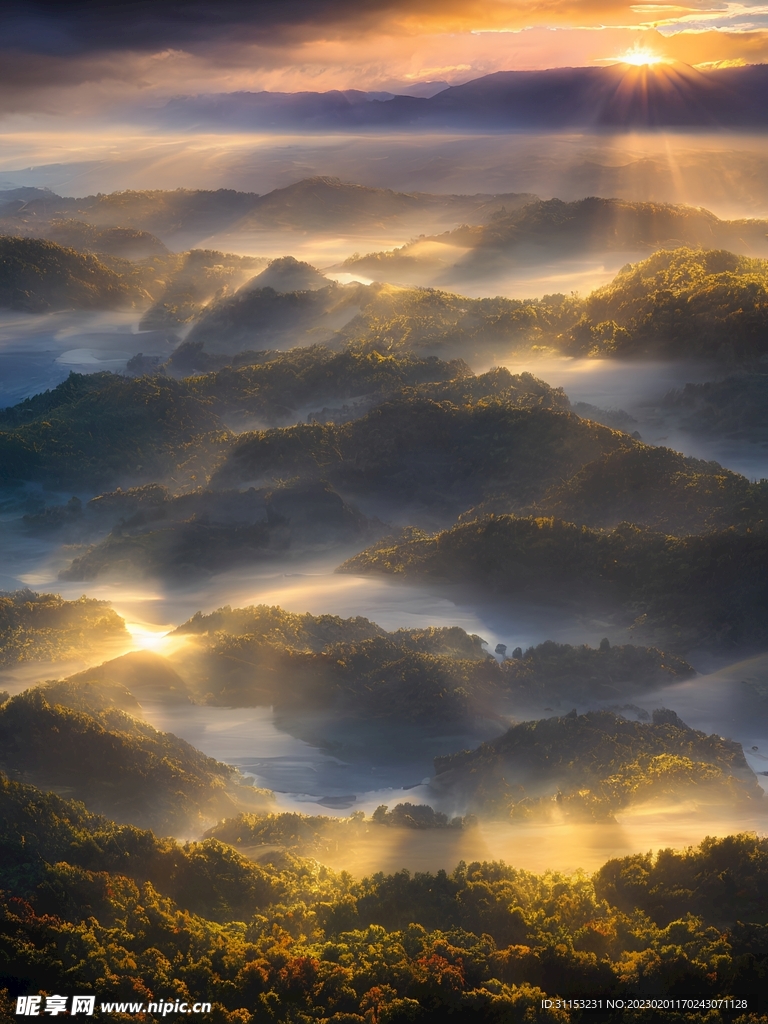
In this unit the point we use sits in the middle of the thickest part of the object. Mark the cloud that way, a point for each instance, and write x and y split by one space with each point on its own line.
78 57
151 25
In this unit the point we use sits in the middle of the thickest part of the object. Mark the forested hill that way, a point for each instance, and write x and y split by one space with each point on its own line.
594 764
84 900
548 230
705 589
36 276
681 302
103 429
353 669
318 204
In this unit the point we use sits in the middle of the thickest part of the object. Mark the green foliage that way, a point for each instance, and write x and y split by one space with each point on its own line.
352 667
433 454
164 211
723 880
595 763
708 589
280 383
431 322
685 301
679 302
501 444
112 910
265 656
125 243
660 489
552 226
265 318
41 830
544 230
99 428
36 276
142 674
187 282
277 626
44 627
584 673
113 762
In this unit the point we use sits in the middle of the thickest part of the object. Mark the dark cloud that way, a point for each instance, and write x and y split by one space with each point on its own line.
148 25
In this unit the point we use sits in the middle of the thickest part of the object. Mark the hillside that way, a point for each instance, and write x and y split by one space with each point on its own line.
594 764
96 429
125 243
104 429
84 899
73 265
428 454
351 668
706 590
90 851
383 318
275 389
164 213
735 408
113 762
329 204
206 532
307 835
279 386
319 204
546 230
652 487
679 303
582 674
123 683
657 488
499 444
36 276
428 438
682 301
428 321
608 225
354 669
44 627
189 281
256 318
119 242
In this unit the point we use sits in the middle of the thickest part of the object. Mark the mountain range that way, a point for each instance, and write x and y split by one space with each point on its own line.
618 96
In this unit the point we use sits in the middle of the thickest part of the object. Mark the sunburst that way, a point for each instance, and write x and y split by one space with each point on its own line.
641 56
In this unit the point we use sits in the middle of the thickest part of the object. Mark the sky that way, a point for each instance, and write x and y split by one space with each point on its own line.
83 58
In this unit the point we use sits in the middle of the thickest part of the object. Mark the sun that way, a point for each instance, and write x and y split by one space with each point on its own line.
639 56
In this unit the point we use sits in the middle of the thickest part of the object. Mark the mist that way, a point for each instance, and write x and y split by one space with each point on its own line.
723 172
328 765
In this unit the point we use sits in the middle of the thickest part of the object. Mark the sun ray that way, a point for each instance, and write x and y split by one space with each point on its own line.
640 55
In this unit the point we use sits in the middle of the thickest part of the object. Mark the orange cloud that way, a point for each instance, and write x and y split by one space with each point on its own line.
380 44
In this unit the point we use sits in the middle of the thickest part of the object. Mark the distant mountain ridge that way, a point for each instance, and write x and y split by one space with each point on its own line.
318 203
621 95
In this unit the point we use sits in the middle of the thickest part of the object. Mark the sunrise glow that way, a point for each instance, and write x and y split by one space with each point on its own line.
641 57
